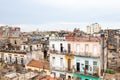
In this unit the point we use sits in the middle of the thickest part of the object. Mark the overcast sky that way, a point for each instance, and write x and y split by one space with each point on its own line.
59 14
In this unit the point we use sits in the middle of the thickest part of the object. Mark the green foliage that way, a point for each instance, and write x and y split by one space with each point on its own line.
110 71
107 71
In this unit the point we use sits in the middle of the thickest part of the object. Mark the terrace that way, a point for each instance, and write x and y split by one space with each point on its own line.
13 51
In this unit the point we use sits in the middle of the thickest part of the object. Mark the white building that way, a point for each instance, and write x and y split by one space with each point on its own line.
26 53
58 44
15 57
93 28
30 47
57 65
35 50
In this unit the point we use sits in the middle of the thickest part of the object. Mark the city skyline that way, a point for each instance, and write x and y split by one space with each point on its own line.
61 26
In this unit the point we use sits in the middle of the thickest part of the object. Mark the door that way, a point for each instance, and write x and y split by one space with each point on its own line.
69 48
61 47
78 67
69 64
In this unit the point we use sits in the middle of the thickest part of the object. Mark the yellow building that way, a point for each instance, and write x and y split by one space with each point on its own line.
69 66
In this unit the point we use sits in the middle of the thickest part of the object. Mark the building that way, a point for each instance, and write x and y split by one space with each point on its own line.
39 65
17 57
19 76
57 48
7 31
81 58
57 65
23 55
57 44
93 28
87 57
83 55
112 41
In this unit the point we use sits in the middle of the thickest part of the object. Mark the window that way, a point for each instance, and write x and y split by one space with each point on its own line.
24 47
95 63
86 65
94 49
78 48
61 61
53 60
53 46
86 48
6 58
94 66
30 48
10 59
15 42
22 61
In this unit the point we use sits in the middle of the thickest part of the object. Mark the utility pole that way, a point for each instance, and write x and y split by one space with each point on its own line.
107 45
102 54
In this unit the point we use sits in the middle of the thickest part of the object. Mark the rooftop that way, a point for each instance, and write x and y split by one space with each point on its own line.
12 75
83 39
39 64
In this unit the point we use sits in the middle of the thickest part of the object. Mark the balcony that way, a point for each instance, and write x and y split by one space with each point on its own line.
94 74
58 52
58 69
86 54
69 70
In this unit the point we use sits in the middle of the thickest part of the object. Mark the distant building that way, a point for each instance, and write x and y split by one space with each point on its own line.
93 28
7 31
15 57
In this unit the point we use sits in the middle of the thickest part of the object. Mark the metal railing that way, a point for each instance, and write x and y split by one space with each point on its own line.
86 54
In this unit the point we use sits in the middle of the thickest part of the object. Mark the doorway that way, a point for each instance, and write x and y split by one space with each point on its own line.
78 67
69 48
61 47
69 64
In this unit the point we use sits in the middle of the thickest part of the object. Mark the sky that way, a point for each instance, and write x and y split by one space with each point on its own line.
59 14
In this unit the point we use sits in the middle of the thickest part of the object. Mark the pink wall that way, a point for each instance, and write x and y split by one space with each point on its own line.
81 50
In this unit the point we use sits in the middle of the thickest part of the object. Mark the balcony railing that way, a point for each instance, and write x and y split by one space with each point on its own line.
95 74
69 70
62 69
59 52
86 54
